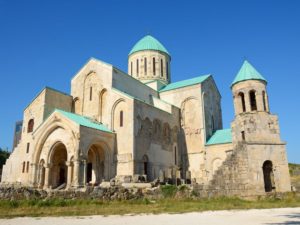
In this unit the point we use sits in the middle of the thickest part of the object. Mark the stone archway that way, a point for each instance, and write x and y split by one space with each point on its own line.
96 165
268 176
58 162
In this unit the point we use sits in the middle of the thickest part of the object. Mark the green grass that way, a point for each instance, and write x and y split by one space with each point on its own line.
60 207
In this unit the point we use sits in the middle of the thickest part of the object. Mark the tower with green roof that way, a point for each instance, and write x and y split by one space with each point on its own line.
149 61
255 131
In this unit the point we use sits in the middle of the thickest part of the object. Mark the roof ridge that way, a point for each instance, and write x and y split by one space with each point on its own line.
185 83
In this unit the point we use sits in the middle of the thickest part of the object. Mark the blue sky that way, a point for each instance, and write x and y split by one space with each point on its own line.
46 43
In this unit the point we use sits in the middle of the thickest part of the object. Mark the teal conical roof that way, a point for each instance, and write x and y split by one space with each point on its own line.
247 72
148 43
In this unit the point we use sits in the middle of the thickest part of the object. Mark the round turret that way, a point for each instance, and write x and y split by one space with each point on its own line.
149 60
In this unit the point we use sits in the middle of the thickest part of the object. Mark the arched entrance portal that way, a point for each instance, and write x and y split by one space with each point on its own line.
268 176
59 169
95 165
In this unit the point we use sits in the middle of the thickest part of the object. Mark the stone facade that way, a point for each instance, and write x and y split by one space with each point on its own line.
140 127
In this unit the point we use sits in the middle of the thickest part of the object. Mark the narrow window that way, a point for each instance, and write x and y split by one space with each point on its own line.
145 66
252 100
264 100
242 97
131 68
161 68
121 118
91 93
167 69
137 67
27 167
27 149
23 169
175 155
153 64
30 126
243 135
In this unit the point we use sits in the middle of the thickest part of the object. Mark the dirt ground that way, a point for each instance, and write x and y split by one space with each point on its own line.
282 216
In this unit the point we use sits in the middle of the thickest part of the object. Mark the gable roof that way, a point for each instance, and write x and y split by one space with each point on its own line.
184 83
247 72
148 43
84 121
220 137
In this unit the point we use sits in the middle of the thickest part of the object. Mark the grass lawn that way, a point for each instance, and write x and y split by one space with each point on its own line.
60 207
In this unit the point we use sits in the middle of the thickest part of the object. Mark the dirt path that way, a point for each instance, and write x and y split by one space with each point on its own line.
287 216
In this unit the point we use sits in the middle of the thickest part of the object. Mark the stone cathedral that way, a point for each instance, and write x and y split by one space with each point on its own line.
139 127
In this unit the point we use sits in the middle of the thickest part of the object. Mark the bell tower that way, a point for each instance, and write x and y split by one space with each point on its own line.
149 60
256 132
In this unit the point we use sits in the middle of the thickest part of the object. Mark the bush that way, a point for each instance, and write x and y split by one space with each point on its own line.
168 191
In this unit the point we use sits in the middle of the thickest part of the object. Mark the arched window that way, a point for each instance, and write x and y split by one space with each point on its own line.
137 67
175 155
30 126
264 100
242 97
121 118
252 98
131 68
23 169
91 93
153 65
27 167
145 66
27 148
167 69
161 68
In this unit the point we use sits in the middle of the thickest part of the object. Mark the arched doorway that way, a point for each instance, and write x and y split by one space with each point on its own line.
146 167
95 165
59 170
268 176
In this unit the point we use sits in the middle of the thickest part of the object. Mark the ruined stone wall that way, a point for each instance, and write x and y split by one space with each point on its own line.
156 140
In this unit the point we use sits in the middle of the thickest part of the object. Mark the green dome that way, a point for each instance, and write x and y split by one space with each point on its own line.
148 43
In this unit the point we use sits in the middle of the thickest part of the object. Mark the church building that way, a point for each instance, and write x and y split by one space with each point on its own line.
140 127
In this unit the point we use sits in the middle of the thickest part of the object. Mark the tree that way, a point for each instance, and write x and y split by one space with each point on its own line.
4 154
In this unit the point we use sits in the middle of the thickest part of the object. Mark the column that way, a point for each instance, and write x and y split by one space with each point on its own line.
259 101
84 172
34 172
76 173
69 178
47 175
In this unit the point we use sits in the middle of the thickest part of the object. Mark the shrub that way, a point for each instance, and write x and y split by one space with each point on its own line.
168 191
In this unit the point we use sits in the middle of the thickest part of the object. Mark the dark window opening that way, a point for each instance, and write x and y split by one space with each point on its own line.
252 100
167 70
145 66
153 64
91 93
243 135
161 68
121 118
27 148
23 169
30 126
131 68
137 67
175 155
27 167
242 97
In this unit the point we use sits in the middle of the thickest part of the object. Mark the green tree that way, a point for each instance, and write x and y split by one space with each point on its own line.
4 154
